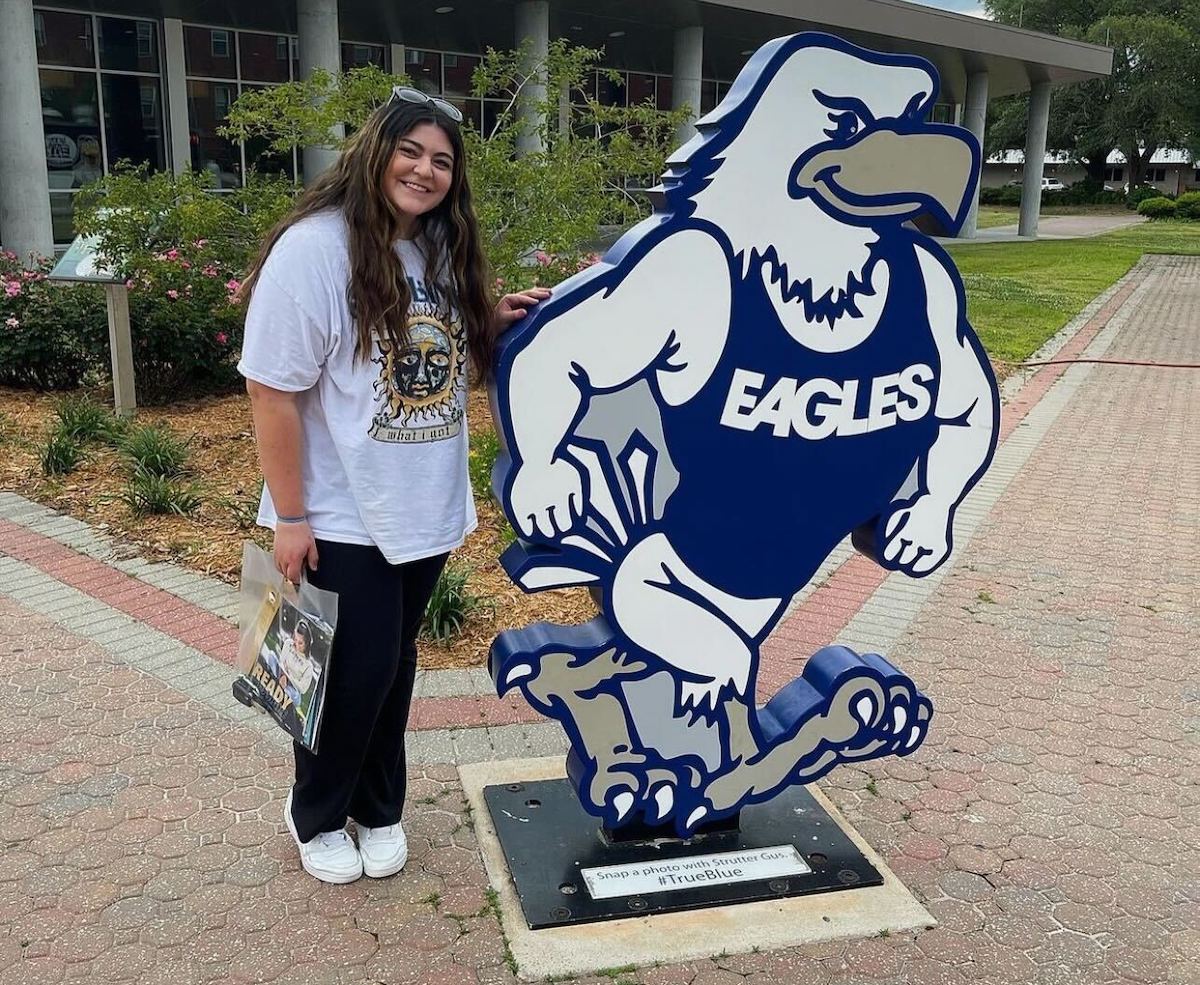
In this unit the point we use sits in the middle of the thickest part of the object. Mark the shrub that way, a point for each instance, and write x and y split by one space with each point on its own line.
183 251
485 448
1005 195
1142 193
62 453
452 604
1157 208
53 336
1187 206
148 494
155 451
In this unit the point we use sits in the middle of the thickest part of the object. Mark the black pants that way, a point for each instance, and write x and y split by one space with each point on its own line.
359 769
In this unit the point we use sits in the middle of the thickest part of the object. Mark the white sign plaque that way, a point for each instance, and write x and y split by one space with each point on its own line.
668 875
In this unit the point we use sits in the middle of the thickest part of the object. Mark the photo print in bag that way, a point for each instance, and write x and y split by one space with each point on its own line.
285 646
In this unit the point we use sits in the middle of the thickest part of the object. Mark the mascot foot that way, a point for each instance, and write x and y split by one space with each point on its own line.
627 784
844 709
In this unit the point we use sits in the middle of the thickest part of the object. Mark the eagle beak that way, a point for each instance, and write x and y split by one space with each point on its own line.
885 173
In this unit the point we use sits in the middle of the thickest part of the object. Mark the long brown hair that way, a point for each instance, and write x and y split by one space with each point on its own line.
378 293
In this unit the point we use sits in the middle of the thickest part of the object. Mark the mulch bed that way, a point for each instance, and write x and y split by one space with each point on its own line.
224 465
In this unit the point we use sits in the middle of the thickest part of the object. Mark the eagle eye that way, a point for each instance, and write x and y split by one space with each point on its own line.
845 125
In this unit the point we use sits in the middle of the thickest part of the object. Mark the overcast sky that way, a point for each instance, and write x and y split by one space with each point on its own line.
962 6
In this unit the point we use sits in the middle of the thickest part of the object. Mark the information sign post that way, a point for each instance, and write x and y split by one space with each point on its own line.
80 264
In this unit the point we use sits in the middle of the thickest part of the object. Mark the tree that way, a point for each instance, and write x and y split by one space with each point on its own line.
1150 100
540 208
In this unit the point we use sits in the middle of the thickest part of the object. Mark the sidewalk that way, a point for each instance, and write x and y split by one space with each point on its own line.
1056 227
1050 823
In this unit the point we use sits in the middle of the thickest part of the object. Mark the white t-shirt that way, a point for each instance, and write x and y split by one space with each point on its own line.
385 438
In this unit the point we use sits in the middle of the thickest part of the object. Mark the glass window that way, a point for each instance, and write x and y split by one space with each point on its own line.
265 57
208 105
263 160
127 45
587 87
708 95
64 39
62 216
472 111
664 92
459 69
492 108
360 55
133 123
641 89
71 121
425 69
209 51
610 92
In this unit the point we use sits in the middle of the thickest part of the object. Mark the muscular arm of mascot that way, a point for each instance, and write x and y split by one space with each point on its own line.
670 311
917 535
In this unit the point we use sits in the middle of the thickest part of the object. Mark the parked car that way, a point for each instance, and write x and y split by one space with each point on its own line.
1048 184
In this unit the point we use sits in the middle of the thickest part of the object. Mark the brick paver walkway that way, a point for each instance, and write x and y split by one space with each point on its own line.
1051 823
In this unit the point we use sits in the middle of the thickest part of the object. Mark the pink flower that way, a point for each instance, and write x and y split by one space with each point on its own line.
12 322
173 295
185 265
499 281
200 244
210 270
221 338
232 285
9 255
234 299
543 258
172 254
12 288
130 283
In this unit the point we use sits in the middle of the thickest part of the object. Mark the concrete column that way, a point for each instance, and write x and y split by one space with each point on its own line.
532 30
175 75
24 189
685 85
398 59
974 118
320 47
1035 158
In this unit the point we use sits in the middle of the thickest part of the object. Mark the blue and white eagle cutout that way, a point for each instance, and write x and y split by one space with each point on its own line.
774 360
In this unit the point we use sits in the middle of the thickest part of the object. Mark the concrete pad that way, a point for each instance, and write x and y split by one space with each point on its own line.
670 937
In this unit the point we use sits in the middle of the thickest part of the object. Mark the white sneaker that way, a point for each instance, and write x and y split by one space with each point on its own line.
330 856
384 850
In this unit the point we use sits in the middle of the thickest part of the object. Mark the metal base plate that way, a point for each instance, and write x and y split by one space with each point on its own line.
549 841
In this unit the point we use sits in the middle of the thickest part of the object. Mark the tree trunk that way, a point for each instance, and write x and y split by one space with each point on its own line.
1095 160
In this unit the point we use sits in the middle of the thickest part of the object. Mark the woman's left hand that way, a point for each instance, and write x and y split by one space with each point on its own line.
513 307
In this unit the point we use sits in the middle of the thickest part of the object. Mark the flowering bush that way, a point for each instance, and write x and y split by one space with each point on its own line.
51 335
185 321
183 250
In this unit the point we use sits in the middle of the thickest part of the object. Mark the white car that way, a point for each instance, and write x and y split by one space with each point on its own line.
1048 184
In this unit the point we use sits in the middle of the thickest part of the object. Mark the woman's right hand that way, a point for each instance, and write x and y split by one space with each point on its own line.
294 548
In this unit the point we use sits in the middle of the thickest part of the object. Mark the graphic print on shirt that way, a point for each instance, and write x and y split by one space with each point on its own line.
421 385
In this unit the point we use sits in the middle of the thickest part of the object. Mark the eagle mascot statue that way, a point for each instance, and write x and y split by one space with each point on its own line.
775 360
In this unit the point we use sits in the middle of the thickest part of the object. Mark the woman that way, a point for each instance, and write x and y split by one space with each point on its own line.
367 307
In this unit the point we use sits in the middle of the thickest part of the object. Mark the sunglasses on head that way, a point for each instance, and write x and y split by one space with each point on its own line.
417 96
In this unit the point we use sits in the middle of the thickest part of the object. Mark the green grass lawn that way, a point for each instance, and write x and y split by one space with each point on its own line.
997 215
991 216
1020 294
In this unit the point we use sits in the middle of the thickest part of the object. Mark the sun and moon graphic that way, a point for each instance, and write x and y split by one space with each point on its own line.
420 383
